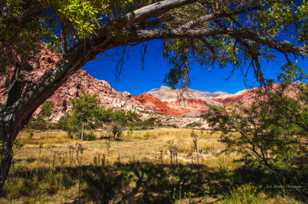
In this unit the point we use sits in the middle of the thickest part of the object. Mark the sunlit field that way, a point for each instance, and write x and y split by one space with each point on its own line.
56 148
146 166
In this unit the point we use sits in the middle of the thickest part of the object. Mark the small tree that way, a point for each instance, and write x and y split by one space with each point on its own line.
270 132
120 120
123 118
85 114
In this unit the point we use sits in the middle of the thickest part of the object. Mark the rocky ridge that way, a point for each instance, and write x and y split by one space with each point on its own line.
172 107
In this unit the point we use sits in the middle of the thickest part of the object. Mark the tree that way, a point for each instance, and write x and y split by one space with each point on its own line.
122 118
85 115
210 31
271 132
42 120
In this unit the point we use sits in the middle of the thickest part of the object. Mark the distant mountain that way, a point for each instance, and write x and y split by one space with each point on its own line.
82 82
193 103
186 101
166 93
172 106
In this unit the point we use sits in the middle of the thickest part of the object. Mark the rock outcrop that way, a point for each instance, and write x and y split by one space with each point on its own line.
171 106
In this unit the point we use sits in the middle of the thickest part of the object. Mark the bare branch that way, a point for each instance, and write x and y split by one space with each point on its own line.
154 10
175 33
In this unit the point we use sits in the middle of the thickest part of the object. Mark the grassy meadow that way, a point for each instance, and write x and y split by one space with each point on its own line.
165 165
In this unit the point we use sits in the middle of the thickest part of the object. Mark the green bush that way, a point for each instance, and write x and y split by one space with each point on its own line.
244 194
86 114
149 123
90 137
42 120
269 132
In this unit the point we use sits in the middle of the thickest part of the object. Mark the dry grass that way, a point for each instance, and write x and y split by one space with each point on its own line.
140 145
51 167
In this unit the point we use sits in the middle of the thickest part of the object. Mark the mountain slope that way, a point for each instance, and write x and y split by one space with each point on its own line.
171 106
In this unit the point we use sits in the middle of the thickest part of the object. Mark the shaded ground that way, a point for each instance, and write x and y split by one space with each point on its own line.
142 183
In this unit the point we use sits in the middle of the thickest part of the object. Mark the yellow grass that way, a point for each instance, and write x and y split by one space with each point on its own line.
140 145
43 159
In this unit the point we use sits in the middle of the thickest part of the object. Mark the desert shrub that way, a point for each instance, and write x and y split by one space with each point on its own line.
147 135
244 194
90 136
42 120
131 117
269 133
248 194
68 123
149 123
117 131
17 188
130 131
194 125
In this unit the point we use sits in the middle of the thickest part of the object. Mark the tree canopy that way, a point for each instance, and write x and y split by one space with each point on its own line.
209 31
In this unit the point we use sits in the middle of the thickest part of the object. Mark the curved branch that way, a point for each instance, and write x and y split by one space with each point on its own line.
86 51
77 56
238 34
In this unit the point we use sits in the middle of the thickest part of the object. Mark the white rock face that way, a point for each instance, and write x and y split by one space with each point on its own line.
169 95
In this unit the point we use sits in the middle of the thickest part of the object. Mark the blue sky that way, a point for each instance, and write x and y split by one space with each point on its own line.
136 80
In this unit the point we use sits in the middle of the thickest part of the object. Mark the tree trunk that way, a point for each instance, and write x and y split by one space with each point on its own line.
8 135
15 115
82 130
5 163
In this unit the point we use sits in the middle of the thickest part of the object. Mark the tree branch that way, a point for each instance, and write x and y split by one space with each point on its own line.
213 16
154 10
283 47
204 32
177 33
